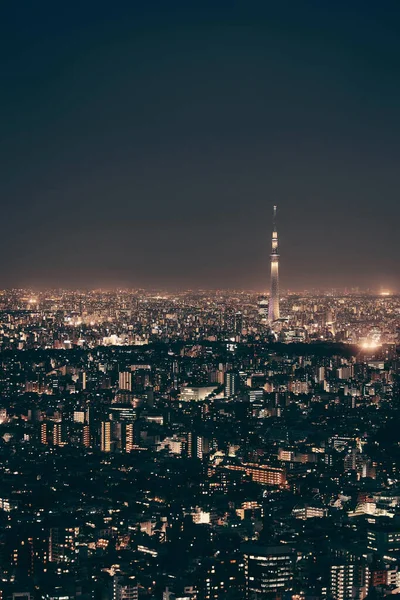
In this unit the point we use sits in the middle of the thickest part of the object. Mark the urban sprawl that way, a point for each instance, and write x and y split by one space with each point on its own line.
184 446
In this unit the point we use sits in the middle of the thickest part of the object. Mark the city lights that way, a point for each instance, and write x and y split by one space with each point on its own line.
200 301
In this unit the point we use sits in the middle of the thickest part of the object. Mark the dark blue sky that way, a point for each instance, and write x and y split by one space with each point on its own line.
144 143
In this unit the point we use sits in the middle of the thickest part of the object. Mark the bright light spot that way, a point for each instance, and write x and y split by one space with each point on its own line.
370 345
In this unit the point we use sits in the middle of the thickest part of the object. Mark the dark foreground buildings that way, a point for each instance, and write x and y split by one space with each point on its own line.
169 447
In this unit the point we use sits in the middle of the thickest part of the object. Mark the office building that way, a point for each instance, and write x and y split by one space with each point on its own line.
267 569
125 380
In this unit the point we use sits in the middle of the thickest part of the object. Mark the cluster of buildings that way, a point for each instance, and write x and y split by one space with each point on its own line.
197 468
64 320
199 445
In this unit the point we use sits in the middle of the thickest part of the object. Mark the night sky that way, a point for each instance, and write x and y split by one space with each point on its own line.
144 143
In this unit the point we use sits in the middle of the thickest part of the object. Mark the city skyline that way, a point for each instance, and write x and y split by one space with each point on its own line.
263 290
180 418
144 147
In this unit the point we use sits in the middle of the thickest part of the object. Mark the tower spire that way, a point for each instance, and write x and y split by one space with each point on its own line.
273 308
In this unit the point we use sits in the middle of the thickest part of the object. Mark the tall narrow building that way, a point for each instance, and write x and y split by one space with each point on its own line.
273 309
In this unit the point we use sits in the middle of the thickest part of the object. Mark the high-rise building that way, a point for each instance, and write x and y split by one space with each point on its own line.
43 433
348 580
128 437
222 575
123 412
198 445
273 310
82 380
238 325
86 436
383 535
58 434
125 380
124 588
263 307
55 546
105 437
62 543
267 570
232 383
79 416
53 433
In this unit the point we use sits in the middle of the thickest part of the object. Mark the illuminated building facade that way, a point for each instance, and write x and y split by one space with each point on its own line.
105 436
268 570
125 380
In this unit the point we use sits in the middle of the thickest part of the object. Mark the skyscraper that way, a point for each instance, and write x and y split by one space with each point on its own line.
267 570
124 588
232 382
105 436
125 380
273 310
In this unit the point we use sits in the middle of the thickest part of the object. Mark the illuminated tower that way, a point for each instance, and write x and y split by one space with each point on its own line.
273 309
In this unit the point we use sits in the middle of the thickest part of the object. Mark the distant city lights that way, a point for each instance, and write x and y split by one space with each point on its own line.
370 345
